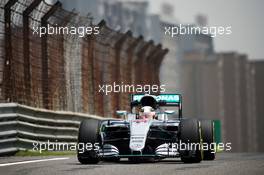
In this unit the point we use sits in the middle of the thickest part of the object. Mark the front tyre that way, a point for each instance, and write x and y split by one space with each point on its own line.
208 138
88 134
190 136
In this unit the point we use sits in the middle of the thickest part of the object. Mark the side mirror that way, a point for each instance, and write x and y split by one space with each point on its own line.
121 113
169 112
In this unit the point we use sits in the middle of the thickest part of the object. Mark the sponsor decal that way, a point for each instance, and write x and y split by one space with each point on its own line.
169 98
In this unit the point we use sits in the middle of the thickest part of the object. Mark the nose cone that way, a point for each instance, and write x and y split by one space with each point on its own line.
138 134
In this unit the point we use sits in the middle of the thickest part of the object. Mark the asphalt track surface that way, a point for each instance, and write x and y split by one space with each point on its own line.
225 163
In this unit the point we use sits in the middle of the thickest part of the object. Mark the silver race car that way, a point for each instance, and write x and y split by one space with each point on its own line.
149 132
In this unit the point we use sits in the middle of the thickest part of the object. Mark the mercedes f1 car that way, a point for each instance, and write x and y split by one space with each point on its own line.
148 132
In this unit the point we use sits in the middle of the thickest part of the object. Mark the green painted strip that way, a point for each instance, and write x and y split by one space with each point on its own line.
217 131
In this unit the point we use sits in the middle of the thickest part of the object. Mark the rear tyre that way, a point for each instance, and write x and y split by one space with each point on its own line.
208 138
88 134
190 136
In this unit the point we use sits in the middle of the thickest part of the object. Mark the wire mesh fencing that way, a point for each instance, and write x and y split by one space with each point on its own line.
65 71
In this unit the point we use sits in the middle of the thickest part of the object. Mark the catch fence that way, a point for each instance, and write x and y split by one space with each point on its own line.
63 71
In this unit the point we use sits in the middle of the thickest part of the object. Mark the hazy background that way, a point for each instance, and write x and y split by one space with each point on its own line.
245 17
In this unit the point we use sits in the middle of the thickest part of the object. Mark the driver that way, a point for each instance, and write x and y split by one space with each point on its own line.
147 112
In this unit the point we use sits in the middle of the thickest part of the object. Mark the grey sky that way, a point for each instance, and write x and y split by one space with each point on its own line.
245 17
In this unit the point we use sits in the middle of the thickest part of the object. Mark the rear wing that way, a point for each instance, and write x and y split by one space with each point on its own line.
161 99
166 99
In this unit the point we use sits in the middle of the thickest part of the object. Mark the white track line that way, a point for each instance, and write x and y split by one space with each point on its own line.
32 161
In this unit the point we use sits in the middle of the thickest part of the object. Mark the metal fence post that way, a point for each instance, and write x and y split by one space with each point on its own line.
26 48
90 60
45 64
8 78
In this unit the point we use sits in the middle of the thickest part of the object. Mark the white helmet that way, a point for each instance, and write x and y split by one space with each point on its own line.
147 112
146 109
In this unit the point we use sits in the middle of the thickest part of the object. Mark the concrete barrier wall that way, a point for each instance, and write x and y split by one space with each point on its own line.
21 126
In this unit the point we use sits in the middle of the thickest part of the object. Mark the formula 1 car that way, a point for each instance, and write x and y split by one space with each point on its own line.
148 132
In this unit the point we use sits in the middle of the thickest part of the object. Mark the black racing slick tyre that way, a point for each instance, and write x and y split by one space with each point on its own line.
190 138
88 134
208 139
